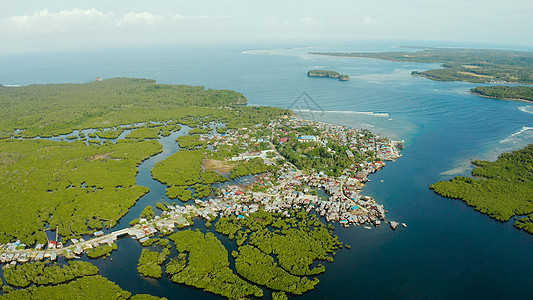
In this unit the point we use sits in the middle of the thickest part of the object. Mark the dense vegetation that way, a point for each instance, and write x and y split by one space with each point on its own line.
253 166
179 191
312 155
55 109
144 133
472 65
525 223
102 250
42 273
297 242
504 191
505 92
184 169
258 267
109 134
330 74
148 212
67 184
279 296
208 266
199 131
176 265
90 287
191 142
59 108
150 261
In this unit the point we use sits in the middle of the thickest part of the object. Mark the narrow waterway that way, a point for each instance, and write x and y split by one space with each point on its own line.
144 178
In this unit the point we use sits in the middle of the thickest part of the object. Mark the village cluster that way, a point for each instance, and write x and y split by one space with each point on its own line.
280 190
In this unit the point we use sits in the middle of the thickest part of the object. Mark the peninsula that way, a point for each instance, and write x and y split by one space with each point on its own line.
76 176
519 93
328 74
471 65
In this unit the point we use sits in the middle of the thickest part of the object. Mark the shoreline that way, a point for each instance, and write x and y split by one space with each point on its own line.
507 99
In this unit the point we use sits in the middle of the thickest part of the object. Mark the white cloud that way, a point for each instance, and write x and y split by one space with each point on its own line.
370 21
143 18
310 21
150 19
86 20
182 17
43 21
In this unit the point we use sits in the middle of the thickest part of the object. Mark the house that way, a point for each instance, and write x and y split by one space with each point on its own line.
52 245
283 139
307 138
349 153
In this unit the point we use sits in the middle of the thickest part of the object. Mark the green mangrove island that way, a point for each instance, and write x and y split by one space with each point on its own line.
502 189
74 280
471 65
329 74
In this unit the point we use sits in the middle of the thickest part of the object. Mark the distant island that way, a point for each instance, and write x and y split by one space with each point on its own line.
471 65
329 74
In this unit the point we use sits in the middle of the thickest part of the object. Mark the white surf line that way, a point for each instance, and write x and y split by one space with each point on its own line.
524 129
508 139
526 109
367 113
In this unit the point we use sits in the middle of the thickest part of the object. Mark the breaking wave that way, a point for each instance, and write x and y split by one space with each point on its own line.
527 109
366 113
510 138
346 112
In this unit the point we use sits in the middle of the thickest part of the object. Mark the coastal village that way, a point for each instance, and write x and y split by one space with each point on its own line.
280 190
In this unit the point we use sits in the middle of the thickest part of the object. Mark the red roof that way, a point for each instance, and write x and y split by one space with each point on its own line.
239 192
283 140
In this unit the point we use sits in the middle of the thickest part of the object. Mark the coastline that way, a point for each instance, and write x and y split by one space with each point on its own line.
509 99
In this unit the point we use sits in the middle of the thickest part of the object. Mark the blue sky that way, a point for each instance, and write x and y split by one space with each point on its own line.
29 25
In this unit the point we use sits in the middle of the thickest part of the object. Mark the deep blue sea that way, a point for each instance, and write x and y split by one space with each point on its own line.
448 250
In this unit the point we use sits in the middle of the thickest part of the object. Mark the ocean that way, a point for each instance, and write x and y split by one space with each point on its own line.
447 251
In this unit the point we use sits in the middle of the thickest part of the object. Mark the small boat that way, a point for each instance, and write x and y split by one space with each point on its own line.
368 227
404 225
394 224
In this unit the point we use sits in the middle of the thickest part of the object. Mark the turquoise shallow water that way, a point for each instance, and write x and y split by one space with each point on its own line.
448 250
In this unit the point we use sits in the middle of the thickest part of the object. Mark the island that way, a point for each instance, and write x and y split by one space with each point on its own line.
328 74
500 189
471 65
71 169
